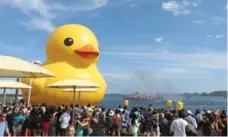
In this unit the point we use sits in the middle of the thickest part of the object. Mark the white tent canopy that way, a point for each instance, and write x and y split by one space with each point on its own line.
80 90
13 85
76 84
14 67
71 83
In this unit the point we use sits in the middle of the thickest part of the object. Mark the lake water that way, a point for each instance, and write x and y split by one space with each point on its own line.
195 102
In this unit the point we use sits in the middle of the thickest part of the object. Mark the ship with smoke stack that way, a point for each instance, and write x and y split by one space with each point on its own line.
138 95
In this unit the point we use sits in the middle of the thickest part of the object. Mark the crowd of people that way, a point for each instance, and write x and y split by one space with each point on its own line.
43 120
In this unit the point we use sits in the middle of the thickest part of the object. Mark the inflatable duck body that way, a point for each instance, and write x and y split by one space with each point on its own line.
72 53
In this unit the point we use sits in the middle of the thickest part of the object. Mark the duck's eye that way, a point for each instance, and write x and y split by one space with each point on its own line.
68 41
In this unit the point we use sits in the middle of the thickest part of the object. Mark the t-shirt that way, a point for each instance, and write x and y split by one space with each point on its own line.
127 116
164 127
178 127
191 121
9 119
64 120
102 118
18 120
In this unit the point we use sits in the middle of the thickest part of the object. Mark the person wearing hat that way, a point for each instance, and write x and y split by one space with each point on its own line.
192 125
190 119
108 122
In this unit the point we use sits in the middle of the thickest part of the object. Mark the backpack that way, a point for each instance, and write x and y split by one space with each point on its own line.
108 121
152 121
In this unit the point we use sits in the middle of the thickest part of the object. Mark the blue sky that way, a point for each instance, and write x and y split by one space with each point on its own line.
164 45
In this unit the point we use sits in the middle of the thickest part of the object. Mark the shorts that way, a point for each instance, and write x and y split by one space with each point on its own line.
63 131
17 130
116 126
45 126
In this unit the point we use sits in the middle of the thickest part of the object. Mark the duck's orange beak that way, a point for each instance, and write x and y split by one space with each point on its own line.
87 52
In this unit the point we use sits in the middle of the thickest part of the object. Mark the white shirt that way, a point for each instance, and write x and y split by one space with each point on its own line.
64 120
178 127
27 113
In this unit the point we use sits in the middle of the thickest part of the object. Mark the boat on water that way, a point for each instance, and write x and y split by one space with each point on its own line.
142 96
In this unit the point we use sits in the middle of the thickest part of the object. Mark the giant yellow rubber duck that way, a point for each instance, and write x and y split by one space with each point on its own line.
72 52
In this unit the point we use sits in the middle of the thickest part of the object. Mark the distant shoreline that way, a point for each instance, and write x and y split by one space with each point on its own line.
222 93
214 93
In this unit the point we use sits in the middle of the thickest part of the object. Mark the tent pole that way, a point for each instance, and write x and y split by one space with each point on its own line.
16 92
73 120
79 96
4 96
29 95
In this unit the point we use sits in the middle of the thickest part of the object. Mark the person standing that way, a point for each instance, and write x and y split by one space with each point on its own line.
3 125
9 119
190 119
134 125
18 121
46 122
178 125
101 119
116 123
64 122
57 117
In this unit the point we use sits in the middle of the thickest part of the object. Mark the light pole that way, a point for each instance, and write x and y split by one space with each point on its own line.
30 83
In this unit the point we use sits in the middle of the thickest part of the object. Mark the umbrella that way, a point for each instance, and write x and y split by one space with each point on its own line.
14 67
11 85
75 84
80 90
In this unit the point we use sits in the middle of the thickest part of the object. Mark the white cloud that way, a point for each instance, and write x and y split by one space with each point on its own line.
163 80
133 5
175 7
180 7
159 39
140 75
216 20
27 6
209 36
41 13
87 5
133 48
197 21
219 36
205 60
182 70
193 3
208 39
39 24
117 75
